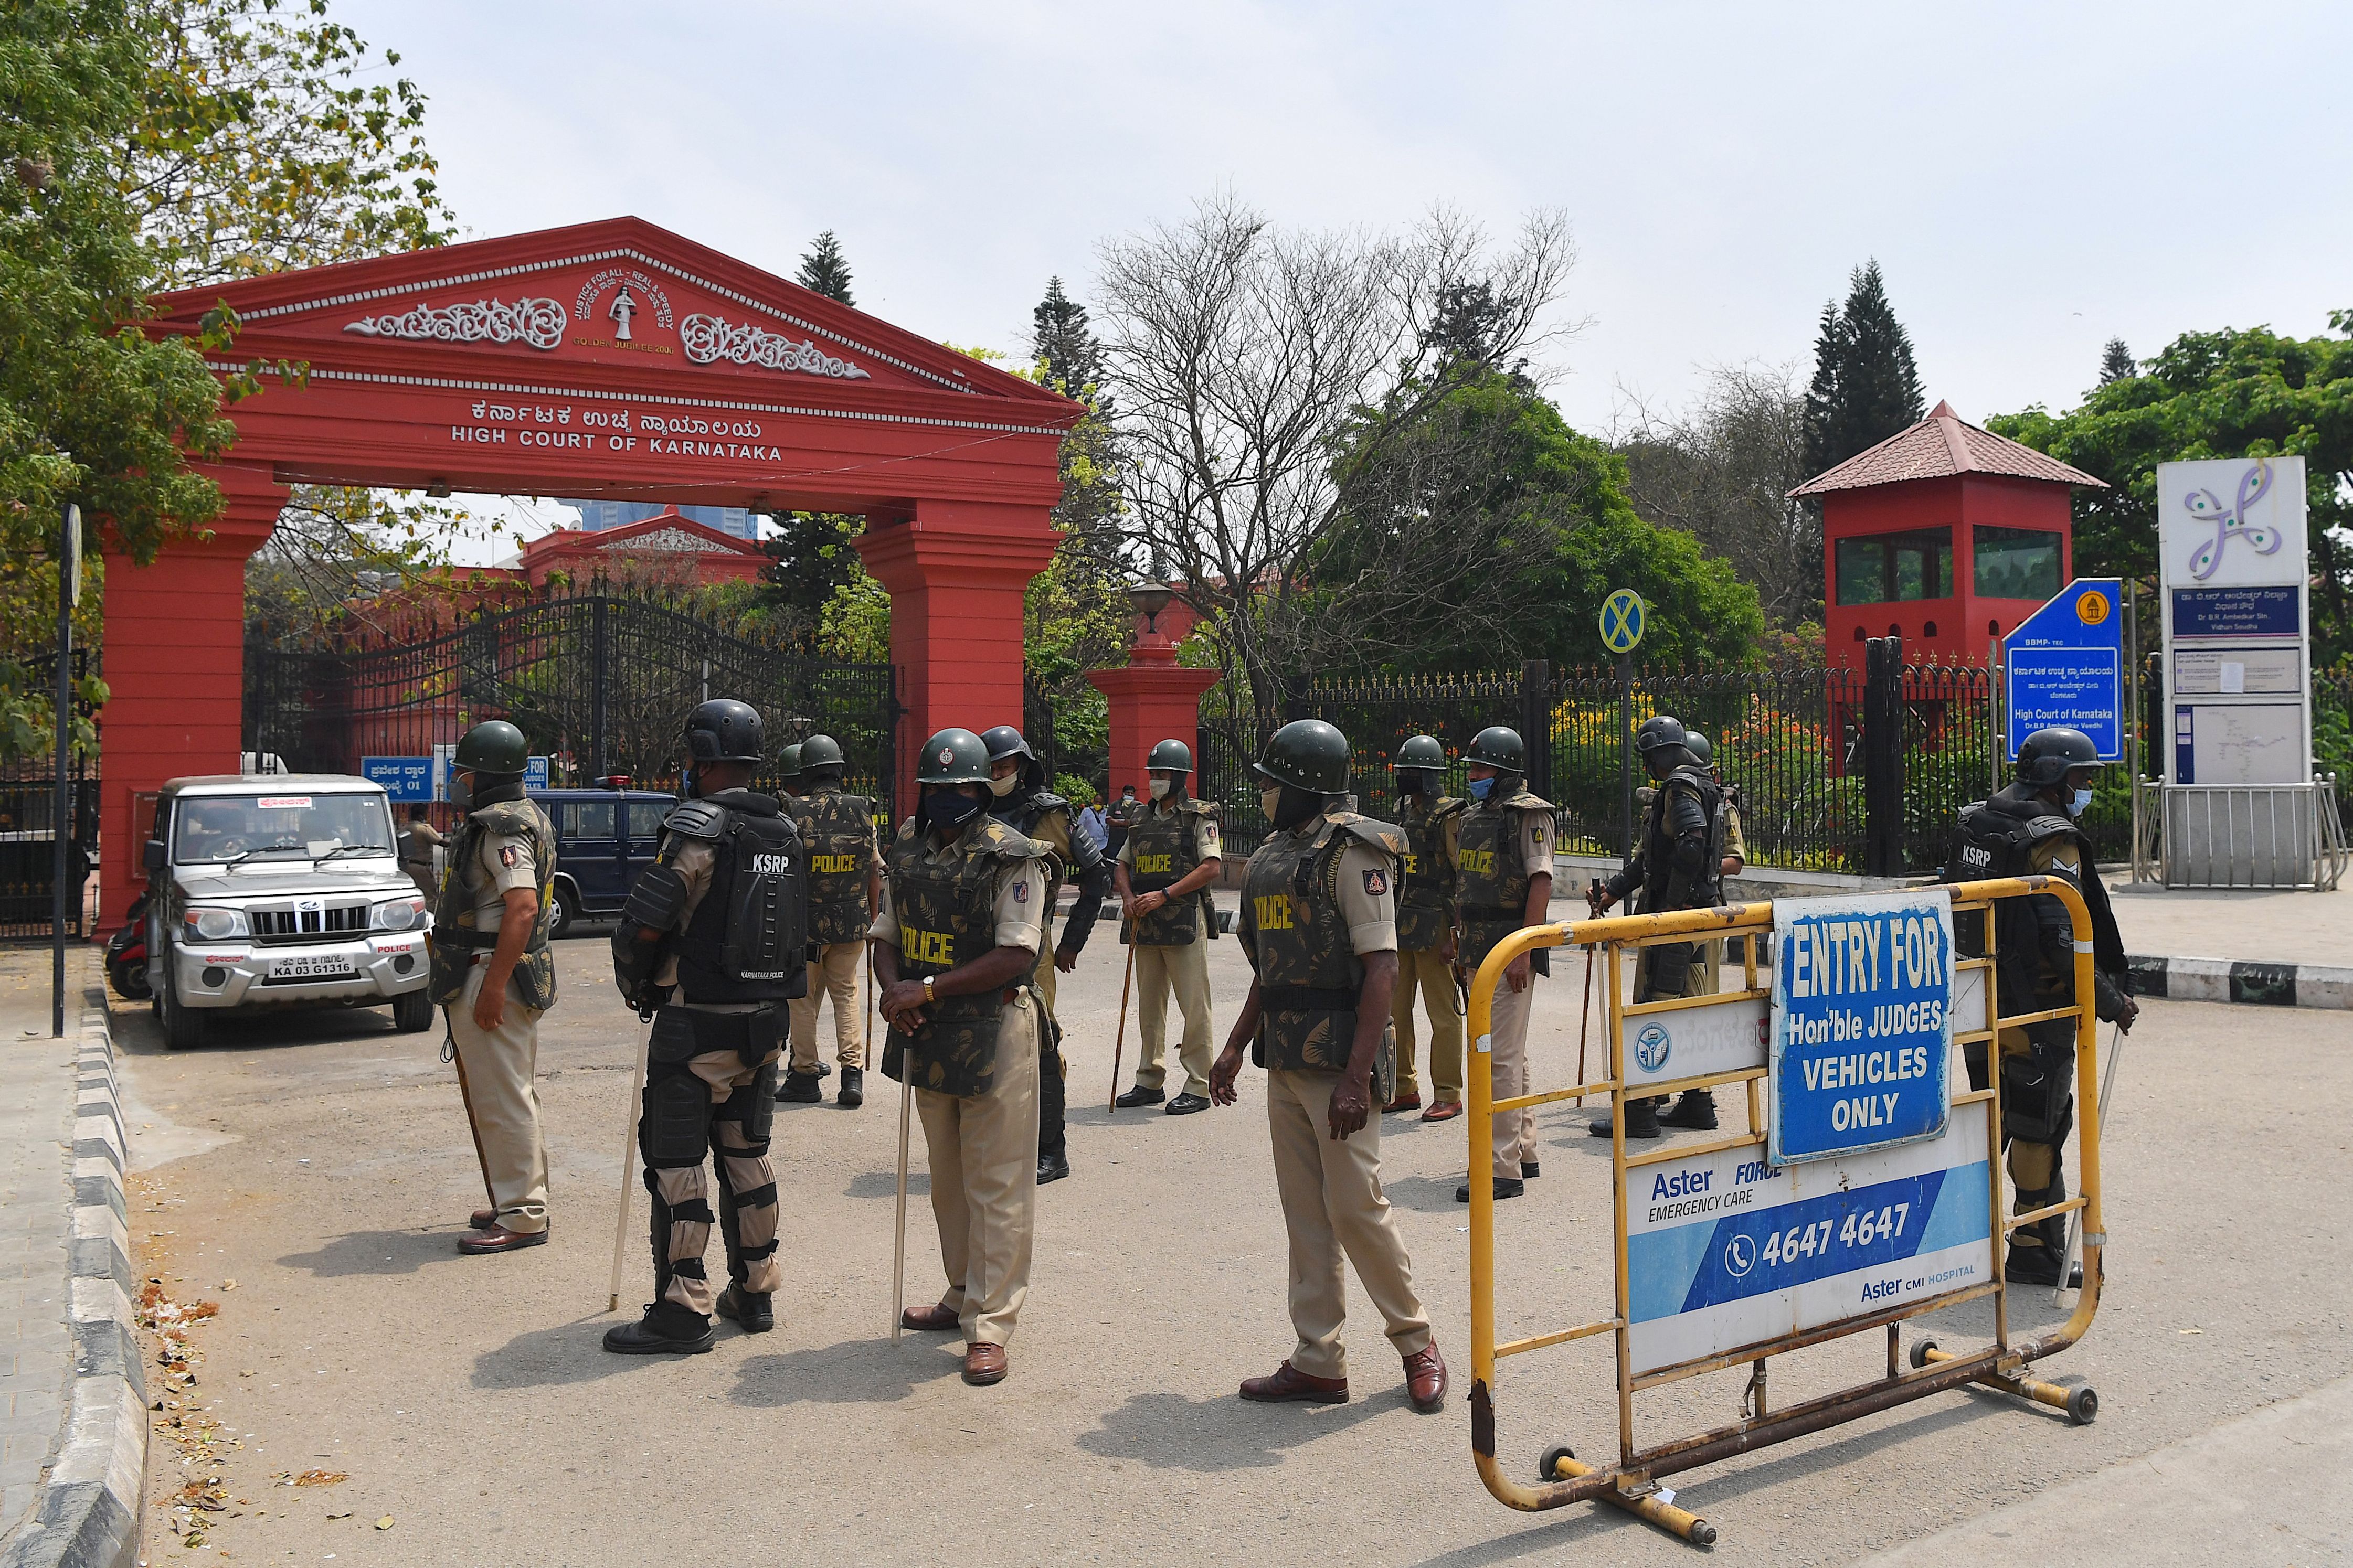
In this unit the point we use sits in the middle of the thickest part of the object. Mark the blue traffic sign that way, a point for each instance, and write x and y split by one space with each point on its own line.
1622 617
534 773
1863 1028
406 780
2063 667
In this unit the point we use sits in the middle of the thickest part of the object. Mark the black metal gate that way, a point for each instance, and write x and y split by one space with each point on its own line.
28 826
599 682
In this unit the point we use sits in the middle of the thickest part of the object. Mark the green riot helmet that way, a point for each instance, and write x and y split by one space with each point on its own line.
1701 749
1498 747
492 747
2048 756
1418 764
789 764
1307 755
819 753
726 731
1171 757
953 757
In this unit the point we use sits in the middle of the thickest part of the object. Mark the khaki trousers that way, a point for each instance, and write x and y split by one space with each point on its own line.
834 975
1158 972
1514 1132
1332 1204
1434 978
984 1162
497 1075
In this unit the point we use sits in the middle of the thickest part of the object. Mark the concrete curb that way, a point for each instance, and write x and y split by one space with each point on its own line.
2237 980
88 1513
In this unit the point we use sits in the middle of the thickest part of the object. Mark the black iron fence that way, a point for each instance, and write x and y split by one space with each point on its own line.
1852 771
29 828
599 682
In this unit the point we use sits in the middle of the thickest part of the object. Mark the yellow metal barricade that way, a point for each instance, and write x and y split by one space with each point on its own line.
1631 1482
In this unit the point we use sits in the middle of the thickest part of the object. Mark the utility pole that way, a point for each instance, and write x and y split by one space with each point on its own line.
61 803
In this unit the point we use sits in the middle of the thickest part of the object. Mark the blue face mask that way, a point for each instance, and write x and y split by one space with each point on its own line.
2079 803
1479 788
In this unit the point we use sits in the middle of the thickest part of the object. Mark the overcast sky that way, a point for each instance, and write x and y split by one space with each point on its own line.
2033 179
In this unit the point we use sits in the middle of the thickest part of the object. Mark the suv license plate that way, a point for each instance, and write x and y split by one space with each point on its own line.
312 966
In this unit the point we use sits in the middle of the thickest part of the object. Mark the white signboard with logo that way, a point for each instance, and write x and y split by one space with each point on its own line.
1693 1042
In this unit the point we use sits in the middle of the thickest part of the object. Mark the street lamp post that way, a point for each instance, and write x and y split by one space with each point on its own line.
61 803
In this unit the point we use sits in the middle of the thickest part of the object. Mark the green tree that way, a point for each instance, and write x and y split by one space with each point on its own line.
259 146
2226 393
90 412
812 562
1865 386
825 270
2116 361
1069 357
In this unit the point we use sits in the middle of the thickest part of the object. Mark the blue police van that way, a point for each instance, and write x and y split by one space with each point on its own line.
603 840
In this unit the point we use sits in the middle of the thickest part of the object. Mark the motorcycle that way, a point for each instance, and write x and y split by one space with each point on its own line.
126 955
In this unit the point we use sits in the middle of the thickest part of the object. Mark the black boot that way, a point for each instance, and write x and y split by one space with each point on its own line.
1505 1187
853 1093
800 1088
1052 1168
667 1329
1696 1111
1641 1121
1138 1096
2038 1266
755 1309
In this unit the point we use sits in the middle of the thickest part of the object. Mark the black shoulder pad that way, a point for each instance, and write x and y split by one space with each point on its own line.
2052 825
1046 800
704 819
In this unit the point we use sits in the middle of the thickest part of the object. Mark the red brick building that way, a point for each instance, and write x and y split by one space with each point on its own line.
1943 534
665 548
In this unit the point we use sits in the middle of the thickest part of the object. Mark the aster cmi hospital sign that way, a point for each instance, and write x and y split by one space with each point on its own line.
611 361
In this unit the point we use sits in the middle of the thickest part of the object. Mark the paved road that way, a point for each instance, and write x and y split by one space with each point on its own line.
322 1162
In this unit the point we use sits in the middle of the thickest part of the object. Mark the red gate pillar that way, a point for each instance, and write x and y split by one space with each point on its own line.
1152 699
956 571
174 668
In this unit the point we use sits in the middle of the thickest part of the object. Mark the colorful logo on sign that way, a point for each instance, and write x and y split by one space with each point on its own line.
1651 1048
2230 522
2092 607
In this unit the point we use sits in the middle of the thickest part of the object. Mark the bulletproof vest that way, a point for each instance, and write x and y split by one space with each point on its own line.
748 939
946 911
1665 885
1023 813
1428 881
1493 883
1161 850
835 830
1998 837
453 941
1308 973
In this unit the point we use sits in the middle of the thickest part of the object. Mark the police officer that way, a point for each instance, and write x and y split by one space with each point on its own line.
1019 799
1120 820
712 945
788 776
417 842
955 949
1676 866
845 880
1503 858
1425 900
493 977
1731 852
1319 927
1162 878
2031 828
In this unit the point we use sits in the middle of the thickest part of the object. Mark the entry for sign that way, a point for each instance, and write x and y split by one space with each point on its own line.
1724 1251
1863 1025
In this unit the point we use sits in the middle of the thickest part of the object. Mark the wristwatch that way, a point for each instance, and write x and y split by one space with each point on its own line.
929 994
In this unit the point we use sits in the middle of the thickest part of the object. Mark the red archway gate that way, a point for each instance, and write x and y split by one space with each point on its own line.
607 360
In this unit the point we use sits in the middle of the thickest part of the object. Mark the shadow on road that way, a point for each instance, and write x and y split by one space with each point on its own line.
1425 1195
376 1252
885 1184
1171 1432
551 1357
855 1372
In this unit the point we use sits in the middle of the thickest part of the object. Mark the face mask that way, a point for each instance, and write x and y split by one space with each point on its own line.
1479 788
1002 787
461 792
1160 789
2079 803
947 810
1269 800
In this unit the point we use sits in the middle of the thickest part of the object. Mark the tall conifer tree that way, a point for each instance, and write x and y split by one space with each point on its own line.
1865 386
2116 363
825 270
1065 345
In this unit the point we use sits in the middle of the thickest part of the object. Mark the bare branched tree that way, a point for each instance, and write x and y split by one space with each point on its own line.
1250 360
1723 468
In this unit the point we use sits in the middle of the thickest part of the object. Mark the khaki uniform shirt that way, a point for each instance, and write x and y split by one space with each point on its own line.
1367 899
1536 843
1020 899
503 863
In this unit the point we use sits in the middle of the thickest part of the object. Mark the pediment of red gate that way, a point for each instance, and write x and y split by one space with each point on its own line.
611 358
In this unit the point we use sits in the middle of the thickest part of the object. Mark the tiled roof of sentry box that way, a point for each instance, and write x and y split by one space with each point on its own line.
1937 447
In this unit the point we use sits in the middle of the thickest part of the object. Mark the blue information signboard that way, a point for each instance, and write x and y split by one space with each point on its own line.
534 773
1863 1028
406 779
2065 666
2237 613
